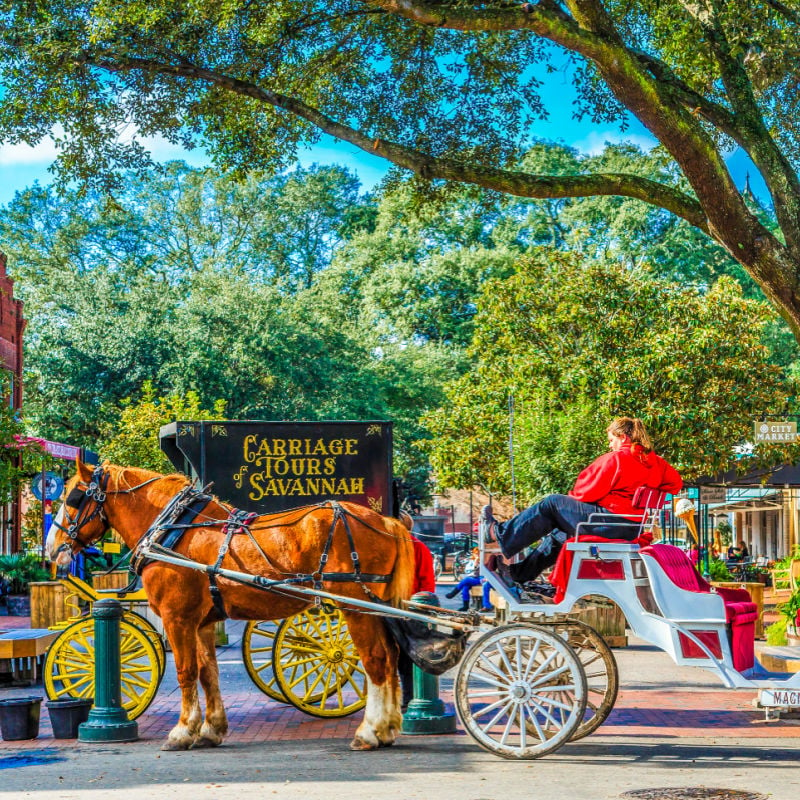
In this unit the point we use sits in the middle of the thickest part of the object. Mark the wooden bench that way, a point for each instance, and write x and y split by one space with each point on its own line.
21 652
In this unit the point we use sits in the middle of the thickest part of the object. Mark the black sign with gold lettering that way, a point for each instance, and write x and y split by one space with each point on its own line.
271 466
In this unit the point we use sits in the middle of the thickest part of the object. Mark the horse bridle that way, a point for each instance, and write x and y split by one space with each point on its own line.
96 491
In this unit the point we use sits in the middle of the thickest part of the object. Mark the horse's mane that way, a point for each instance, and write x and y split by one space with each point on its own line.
125 478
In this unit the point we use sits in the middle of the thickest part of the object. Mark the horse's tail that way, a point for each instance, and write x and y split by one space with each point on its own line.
402 582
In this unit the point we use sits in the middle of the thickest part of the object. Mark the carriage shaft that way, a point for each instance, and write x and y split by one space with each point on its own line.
260 582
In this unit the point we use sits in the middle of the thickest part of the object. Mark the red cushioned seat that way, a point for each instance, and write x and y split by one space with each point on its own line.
741 612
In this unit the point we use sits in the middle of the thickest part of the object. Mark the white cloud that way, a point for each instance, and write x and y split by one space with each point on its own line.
12 155
594 143
44 153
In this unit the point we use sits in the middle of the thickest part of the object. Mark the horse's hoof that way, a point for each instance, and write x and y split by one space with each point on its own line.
203 742
170 745
359 744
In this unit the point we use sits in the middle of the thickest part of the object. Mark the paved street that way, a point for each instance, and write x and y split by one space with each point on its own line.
671 727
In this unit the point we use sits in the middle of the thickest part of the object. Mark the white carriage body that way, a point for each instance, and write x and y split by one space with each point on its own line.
689 625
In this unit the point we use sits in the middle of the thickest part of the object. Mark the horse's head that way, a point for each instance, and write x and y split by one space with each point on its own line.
81 520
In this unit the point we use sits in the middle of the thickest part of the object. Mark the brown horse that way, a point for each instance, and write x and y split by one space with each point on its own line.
281 546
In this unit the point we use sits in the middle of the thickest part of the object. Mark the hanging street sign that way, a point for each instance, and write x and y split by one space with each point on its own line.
713 494
53 486
775 431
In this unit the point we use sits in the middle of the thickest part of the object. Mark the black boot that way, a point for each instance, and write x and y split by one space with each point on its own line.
464 607
452 593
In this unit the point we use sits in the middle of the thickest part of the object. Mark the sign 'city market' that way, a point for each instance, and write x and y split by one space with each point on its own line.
775 432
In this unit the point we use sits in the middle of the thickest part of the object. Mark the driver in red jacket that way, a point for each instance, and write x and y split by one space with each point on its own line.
608 484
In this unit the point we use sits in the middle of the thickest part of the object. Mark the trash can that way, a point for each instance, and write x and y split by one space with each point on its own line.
67 714
19 718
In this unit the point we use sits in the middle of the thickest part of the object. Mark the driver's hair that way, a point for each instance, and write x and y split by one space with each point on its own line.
632 428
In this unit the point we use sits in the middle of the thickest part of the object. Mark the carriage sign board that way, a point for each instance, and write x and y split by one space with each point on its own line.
273 466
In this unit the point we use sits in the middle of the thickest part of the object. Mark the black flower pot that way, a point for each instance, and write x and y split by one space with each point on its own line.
19 718
67 714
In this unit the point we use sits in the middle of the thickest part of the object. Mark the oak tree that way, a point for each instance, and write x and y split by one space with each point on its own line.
443 88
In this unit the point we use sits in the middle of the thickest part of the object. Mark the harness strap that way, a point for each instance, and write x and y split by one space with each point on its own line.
177 517
180 514
237 522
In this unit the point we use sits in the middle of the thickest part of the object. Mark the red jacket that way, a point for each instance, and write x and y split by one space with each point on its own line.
424 578
611 480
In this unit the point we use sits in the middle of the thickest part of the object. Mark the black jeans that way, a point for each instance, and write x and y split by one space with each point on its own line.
551 522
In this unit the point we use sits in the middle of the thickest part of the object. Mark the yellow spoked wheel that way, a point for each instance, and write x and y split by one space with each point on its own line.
69 666
257 642
316 664
147 628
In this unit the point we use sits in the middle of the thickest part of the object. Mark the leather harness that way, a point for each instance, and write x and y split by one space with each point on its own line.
181 514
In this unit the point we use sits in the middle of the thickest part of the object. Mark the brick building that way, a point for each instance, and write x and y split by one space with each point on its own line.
12 324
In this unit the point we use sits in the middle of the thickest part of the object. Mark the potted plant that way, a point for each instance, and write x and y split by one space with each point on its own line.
790 611
16 572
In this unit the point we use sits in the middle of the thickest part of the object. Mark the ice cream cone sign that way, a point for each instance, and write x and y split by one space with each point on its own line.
684 509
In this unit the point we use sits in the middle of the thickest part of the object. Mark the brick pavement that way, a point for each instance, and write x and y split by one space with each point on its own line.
652 713
664 713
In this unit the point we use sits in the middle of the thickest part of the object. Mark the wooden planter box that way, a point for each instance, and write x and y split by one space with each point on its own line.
118 579
48 604
607 619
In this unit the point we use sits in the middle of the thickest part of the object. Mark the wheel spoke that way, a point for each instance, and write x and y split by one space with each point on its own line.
549 676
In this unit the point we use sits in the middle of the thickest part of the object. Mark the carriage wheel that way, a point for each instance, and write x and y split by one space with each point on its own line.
69 665
148 629
460 565
521 691
257 642
602 676
316 664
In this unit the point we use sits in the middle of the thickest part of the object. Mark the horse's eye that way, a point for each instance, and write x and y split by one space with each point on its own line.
74 498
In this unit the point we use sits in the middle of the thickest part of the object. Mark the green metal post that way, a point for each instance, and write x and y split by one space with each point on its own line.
706 543
426 713
108 721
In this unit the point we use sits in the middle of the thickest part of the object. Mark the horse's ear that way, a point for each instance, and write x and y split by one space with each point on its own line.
84 471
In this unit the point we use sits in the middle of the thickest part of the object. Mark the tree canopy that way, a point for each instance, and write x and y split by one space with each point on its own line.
577 345
184 282
442 88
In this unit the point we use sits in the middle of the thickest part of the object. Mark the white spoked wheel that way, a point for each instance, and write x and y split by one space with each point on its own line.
600 669
521 691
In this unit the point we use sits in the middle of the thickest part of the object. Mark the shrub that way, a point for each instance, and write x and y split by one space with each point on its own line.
20 569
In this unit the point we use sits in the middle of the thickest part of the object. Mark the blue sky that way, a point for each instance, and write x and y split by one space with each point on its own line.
21 165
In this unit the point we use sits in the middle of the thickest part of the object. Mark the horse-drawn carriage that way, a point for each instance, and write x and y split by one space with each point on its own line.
523 688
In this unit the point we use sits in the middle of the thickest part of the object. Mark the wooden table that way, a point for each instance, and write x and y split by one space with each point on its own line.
23 649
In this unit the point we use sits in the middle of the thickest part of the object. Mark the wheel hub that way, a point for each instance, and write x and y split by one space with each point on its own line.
520 692
335 655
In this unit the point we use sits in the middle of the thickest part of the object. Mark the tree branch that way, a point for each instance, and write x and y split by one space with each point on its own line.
755 138
520 184
662 110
